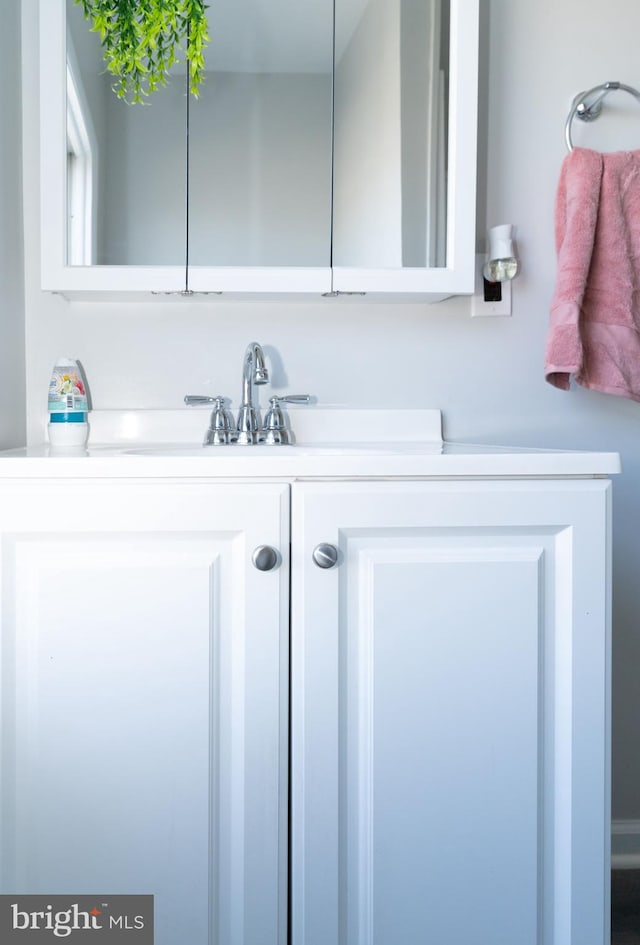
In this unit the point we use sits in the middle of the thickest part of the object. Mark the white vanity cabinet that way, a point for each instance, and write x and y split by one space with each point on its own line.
448 772
144 696
450 712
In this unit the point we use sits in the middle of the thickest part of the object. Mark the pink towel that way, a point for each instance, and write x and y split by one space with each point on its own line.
594 323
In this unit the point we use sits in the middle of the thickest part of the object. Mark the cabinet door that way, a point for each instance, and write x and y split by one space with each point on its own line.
405 116
144 663
117 216
450 713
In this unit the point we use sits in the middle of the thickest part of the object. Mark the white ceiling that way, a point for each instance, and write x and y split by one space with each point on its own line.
271 35
278 35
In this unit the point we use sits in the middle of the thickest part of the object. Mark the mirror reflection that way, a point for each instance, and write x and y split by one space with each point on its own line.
391 106
259 146
260 178
125 164
263 155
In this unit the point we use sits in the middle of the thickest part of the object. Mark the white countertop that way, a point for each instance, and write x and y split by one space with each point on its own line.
331 443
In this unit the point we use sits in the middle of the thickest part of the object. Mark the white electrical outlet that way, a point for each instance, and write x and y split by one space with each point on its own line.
479 306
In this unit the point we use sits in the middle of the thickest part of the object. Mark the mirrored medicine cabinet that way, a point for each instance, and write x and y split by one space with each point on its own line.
332 150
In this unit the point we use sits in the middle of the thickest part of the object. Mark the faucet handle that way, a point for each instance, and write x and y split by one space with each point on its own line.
275 428
291 399
221 427
195 399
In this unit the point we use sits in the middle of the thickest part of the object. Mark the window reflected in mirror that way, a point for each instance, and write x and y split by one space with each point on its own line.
82 170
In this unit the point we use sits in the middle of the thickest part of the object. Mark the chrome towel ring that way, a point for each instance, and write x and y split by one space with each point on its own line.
587 105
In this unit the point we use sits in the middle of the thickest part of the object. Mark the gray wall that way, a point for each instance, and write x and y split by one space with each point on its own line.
12 368
485 374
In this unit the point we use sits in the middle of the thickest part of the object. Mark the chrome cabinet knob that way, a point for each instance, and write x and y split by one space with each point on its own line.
265 558
325 555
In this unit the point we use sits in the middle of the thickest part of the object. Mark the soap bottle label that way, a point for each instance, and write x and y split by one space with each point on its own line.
66 391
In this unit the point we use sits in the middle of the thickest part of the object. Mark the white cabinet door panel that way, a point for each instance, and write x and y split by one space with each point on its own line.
450 708
144 684
426 697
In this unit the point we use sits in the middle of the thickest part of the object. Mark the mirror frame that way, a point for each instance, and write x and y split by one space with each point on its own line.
456 278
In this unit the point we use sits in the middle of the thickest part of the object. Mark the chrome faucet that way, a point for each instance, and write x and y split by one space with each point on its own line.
254 371
246 431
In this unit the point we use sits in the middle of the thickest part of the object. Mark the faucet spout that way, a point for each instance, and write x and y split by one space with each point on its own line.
254 371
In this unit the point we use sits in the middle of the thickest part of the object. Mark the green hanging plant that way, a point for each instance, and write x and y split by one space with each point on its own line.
141 40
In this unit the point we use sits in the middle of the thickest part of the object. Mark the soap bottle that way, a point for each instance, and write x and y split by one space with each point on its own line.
68 405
